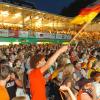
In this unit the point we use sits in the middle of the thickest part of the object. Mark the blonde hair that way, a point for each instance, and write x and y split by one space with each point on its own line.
69 68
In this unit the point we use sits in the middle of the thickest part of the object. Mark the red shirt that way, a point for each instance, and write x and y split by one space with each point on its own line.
79 95
37 85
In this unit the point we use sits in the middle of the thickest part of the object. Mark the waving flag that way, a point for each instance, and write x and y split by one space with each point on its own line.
86 15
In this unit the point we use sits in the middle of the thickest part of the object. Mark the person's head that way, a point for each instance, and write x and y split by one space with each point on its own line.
37 61
17 63
84 83
13 73
96 76
84 55
4 74
84 65
91 63
3 62
78 66
62 61
19 98
95 53
97 65
88 85
68 70
68 81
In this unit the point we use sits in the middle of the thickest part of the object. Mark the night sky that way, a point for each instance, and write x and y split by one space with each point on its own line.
69 8
52 6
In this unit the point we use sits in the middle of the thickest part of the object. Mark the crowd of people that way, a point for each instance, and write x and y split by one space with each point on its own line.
87 38
49 72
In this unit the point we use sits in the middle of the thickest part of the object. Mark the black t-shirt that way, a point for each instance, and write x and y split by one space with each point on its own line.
11 88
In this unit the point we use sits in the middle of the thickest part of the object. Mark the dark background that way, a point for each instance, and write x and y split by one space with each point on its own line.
69 8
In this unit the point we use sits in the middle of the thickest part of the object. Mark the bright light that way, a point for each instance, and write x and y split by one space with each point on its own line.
39 12
43 42
8 43
19 8
39 42
38 23
4 13
17 15
65 43
5 43
27 18
7 5
8 24
49 24
37 17
16 42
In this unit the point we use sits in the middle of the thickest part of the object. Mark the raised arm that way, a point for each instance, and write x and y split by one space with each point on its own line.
53 58
65 88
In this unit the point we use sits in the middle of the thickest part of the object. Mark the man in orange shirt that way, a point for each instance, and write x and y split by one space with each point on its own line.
4 77
39 66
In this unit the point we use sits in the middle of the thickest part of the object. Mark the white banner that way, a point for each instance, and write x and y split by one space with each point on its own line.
44 35
3 33
58 36
66 36
23 34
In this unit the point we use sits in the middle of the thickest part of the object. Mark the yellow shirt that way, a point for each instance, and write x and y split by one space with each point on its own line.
89 72
55 74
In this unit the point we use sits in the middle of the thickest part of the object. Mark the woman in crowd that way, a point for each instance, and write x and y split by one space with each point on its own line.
13 84
87 90
39 67
67 87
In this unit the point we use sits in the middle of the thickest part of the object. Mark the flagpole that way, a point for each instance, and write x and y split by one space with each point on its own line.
82 29
88 22
79 31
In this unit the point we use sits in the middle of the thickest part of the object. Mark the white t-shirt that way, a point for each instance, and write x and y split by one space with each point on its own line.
97 86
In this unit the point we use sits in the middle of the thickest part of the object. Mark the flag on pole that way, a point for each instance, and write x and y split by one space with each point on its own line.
86 15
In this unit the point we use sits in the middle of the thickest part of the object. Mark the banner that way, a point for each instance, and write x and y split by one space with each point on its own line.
66 36
52 36
31 34
3 33
13 33
58 36
44 35
23 34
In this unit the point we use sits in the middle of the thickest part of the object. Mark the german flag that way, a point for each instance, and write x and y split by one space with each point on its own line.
86 15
